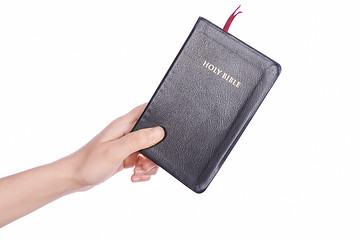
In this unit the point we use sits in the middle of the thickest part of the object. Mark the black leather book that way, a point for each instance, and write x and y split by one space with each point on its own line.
205 101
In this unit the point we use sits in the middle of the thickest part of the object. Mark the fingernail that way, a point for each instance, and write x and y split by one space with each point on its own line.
157 133
140 172
136 179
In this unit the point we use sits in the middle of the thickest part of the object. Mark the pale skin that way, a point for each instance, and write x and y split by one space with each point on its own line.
112 150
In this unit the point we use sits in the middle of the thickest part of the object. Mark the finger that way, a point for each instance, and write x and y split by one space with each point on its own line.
139 171
135 141
141 159
122 125
144 160
145 166
131 161
148 165
135 113
152 171
142 178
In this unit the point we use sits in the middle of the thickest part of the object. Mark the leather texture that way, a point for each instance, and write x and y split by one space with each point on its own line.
204 114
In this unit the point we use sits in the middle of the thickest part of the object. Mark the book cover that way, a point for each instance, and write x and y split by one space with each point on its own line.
204 103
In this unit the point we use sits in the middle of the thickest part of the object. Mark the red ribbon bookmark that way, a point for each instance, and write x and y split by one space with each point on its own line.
230 19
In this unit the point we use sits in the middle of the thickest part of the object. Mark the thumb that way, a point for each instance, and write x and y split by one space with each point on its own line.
140 139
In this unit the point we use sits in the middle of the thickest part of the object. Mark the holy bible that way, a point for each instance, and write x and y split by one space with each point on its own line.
204 103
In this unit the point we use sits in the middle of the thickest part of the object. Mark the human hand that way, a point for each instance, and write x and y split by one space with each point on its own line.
112 150
109 152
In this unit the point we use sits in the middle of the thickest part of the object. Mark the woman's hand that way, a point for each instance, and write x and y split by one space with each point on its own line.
114 149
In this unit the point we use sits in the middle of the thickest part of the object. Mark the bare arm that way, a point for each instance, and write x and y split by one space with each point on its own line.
112 150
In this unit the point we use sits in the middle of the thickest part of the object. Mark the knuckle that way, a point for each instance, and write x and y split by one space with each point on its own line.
116 121
141 138
127 127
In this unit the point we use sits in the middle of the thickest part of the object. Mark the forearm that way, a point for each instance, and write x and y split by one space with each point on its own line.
27 191
112 150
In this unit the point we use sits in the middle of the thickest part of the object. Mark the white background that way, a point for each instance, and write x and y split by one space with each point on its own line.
68 68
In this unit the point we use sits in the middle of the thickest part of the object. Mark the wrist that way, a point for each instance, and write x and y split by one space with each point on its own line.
65 175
